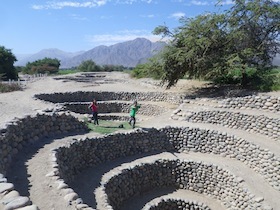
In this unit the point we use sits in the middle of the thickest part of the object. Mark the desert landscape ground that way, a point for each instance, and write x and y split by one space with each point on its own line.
31 169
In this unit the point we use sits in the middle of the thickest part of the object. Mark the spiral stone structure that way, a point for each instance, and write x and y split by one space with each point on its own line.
203 154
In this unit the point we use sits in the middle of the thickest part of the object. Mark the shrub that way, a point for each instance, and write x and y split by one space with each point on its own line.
9 87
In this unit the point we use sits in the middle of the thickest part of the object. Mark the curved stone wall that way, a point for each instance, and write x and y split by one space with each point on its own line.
21 133
115 107
92 152
88 152
251 123
171 203
167 139
209 141
82 96
265 103
199 177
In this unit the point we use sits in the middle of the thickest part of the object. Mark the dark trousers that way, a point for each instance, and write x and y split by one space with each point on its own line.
95 118
132 121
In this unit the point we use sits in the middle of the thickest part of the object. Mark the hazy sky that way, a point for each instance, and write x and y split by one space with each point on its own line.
28 26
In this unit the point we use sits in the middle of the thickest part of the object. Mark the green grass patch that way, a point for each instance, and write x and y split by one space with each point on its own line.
107 127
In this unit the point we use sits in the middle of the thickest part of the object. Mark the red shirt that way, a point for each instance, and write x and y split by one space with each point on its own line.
94 107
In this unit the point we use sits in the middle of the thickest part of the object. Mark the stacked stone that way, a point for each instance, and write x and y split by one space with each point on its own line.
255 102
92 152
114 117
172 203
259 159
82 96
19 133
199 177
10 199
115 107
236 120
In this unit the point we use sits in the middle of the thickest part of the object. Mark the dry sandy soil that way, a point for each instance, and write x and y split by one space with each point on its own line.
30 168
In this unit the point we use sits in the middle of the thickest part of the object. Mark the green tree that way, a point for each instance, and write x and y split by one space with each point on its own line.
7 69
46 65
211 46
196 48
112 67
89 66
152 69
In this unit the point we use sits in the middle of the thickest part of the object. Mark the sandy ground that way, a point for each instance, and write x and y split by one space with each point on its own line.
33 164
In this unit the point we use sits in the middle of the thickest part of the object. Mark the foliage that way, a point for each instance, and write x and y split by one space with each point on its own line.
268 81
67 71
19 69
152 69
46 65
9 87
106 127
214 46
89 66
7 69
109 68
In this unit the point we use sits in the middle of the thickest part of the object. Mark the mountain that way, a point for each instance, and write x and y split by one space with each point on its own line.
49 53
128 54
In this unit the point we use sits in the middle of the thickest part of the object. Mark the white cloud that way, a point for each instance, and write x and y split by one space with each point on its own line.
77 17
133 1
177 15
199 3
57 4
62 4
120 36
226 2
148 16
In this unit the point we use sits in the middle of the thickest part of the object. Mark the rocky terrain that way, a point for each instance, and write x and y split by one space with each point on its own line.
190 149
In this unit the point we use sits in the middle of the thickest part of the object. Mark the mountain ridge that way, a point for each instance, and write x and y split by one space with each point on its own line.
128 54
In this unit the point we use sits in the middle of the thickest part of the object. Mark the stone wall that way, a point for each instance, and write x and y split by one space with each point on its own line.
115 107
236 120
30 129
82 96
92 152
19 134
265 103
199 177
172 203
259 159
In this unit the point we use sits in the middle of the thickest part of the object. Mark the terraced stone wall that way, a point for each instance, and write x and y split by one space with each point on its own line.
251 123
82 96
266 103
172 203
167 139
19 134
92 152
115 107
259 159
199 177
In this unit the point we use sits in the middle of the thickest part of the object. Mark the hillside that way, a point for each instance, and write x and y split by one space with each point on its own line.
127 54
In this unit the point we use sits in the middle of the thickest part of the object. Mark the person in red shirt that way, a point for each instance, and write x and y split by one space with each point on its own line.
94 109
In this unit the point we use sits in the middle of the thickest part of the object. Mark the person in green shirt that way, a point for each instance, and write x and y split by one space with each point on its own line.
133 109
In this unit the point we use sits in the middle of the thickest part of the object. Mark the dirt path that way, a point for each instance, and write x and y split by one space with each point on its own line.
33 164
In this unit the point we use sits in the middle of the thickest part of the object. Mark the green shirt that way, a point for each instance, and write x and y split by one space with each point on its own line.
133 110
